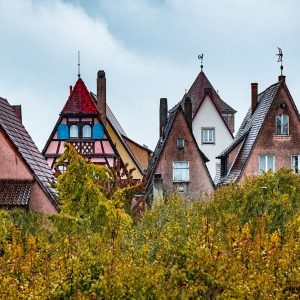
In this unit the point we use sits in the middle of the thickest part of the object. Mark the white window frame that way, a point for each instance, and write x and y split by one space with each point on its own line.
72 128
282 125
292 165
211 138
84 133
267 167
184 177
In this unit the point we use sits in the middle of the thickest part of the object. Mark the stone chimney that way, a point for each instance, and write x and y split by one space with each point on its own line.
188 111
254 94
281 78
101 95
18 111
163 115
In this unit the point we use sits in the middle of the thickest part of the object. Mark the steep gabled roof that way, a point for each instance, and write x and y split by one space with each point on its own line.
249 131
196 93
119 131
80 100
111 117
24 145
162 142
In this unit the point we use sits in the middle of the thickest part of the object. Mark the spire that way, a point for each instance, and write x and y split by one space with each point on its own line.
78 64
200 56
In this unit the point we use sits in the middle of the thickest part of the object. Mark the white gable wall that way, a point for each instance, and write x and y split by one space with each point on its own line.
208 116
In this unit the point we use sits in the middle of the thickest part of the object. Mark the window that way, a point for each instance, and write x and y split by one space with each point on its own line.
208 135
62 168
181 171
266 162
282 124
180 143
86 131
295 163
73 131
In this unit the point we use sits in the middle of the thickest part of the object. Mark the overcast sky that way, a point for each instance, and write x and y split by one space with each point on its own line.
148 49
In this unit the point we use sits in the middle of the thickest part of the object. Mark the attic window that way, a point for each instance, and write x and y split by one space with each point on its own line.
180 143
86 131
74 131
282 125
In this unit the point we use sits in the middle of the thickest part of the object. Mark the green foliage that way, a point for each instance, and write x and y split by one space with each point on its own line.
242 244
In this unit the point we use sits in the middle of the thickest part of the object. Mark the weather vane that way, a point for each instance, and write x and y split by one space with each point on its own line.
280 55
201 58
78 64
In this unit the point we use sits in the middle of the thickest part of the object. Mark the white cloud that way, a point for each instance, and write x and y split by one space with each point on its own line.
147 48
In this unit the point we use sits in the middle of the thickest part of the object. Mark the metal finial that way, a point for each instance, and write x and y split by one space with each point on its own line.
280 56
185 91
200 56
78 64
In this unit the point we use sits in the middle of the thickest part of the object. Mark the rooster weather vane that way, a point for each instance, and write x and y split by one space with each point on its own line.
200 56
280 55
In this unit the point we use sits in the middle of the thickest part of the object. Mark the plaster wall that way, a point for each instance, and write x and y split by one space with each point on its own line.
39 201
11 164
141 154
123 152
208 116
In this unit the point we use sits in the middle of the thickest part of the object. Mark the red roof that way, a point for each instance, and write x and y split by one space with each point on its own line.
80 100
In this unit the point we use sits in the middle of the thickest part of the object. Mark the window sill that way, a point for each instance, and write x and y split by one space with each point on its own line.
208 143
181 181
282 137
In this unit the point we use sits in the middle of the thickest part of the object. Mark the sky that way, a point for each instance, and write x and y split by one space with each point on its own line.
148 49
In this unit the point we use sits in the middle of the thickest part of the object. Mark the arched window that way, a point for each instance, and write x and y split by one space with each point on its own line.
73 131
86 131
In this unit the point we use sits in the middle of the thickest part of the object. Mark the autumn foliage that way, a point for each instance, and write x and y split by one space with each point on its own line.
243 243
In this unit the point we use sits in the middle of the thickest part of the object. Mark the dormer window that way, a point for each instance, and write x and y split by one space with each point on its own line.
74 131
180 143
282 125
86 131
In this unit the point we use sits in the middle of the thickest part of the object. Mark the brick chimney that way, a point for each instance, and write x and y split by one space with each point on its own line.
281 78
163 114
101 95
254 94
18 111
188 111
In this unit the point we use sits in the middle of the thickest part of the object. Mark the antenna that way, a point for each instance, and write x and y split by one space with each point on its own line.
78 64
200 56
280 56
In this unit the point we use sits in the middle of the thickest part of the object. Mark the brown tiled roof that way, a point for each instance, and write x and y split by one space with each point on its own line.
196 93
248 133
14 192
24 145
